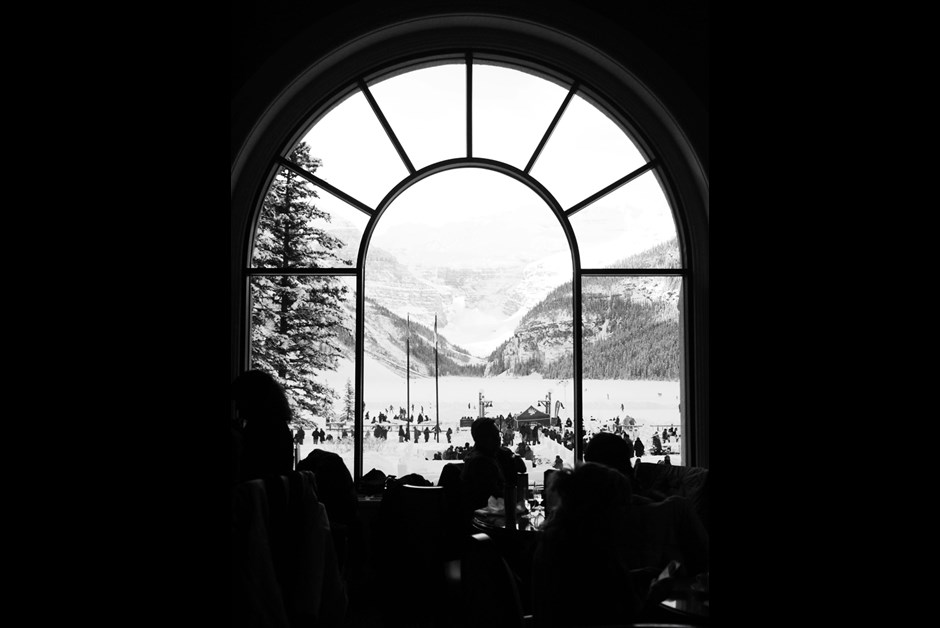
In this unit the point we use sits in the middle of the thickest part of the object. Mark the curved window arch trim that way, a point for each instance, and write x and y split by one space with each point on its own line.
323 77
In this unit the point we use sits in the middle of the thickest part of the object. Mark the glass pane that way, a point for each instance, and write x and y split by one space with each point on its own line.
303 333
303 226
631 227
511 112
450 247
427 110
586 153
632 354
349 141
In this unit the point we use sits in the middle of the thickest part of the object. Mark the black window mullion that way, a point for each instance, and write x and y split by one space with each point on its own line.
469 105
637 272
578 362
314 179
551 127
347 271
610 188
385 125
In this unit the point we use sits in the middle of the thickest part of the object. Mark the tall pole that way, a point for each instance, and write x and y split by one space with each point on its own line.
408 376
437 401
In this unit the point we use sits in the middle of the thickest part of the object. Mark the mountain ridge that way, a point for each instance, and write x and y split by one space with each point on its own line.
630 330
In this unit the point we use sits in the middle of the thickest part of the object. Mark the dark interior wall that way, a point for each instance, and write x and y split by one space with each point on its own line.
674 32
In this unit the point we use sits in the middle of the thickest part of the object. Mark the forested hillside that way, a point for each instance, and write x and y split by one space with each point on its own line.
631 327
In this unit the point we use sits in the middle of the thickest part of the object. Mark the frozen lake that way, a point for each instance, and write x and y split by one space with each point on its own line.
650 403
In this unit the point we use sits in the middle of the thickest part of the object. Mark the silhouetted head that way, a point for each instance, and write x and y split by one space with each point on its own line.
259 398
611 450
485 434
592 498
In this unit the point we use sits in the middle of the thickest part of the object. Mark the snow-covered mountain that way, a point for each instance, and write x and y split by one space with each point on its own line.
476 308
630 326
627 320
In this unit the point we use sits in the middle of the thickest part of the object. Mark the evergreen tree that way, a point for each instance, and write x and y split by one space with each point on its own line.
297 321
349 404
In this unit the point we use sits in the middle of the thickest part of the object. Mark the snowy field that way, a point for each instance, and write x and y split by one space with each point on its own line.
650 403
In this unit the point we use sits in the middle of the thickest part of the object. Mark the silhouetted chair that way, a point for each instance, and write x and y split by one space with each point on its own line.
456 528
410 554
336 490
488 588
666 480
547 478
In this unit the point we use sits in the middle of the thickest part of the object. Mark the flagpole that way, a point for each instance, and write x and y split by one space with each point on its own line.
437 404
408 375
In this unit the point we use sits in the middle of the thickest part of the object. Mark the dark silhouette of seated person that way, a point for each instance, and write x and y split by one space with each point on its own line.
284 566
335 486
665 528
583 560
488 468
337 492
613 451
264 414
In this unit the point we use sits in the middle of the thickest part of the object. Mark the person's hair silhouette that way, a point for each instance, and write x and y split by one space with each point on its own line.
264 415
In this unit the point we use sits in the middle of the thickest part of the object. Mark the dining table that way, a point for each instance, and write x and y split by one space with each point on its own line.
528 522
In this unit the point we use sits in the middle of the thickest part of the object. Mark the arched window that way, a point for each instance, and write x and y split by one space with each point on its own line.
395 181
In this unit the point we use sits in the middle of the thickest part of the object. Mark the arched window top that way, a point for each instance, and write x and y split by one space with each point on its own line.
412 118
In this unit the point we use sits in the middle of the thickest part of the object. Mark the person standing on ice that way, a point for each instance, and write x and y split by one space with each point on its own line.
427 433
638 447
450 433
401 434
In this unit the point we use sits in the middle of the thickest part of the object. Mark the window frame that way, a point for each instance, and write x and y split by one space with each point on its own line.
327 80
